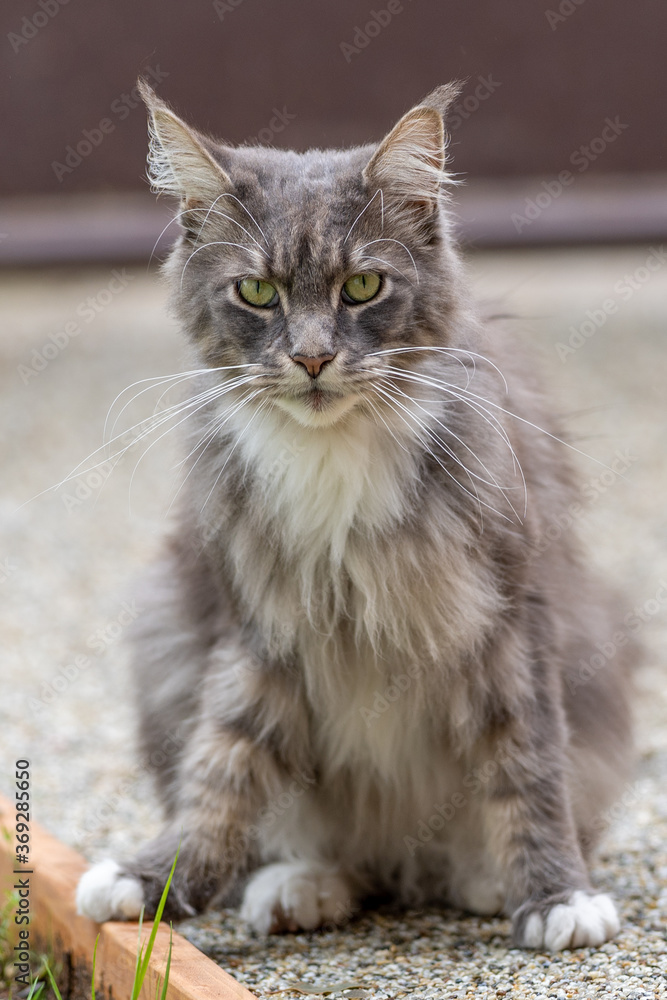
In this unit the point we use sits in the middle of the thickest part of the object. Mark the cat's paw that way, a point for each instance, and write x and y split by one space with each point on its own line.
296 895
106 893
583 920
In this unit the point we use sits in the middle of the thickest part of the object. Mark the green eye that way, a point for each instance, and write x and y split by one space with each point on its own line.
361 287
258 292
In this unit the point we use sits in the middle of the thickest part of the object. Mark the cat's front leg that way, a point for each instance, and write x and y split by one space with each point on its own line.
226 777
530 833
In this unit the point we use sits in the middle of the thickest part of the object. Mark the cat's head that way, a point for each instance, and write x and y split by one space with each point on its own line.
306 269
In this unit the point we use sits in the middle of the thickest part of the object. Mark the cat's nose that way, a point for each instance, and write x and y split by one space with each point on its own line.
312 365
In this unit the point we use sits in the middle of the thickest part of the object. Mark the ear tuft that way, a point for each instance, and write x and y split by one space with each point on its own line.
442 98
178 163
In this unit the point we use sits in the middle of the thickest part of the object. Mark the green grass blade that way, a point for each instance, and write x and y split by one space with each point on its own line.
54 984
140 950
36 990
92 982
165 982
143 964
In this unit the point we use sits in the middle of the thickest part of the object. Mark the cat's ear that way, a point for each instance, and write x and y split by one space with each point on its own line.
410 162
178 161
442 98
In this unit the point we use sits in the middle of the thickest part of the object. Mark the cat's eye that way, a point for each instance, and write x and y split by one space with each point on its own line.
361 287
257 292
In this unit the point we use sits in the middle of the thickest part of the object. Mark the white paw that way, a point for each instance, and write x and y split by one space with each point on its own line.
104 894
296 895
584 921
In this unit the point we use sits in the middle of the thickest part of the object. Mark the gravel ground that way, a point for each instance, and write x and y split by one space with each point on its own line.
69 556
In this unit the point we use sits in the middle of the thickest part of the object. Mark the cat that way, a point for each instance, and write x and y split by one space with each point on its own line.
366 659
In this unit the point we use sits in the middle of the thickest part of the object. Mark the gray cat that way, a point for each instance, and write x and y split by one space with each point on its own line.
366 659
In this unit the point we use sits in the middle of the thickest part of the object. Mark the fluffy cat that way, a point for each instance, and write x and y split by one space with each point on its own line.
366 665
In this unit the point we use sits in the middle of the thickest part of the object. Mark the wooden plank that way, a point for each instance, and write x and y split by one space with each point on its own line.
56 870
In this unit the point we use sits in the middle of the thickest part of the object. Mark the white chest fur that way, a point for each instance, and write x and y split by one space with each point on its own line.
318 482
336 569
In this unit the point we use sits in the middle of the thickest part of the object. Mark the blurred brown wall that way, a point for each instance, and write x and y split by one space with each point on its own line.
548 75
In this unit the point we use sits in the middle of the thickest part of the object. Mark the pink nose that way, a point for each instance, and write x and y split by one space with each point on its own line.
312 365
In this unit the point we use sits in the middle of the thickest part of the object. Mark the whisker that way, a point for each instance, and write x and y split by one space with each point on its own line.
367 205
161 379
211 435
158 408
466 370
478 407
231 219
207 246
393 403
202 404
387 263
433 436
210 422
154 423
263 404
454 391
445 350
529 423
187 211
170 223
509 413
386 239
155 380
224 387
455 436
377 413
228 194
474 495
434 382
234 446
157 419
493 482
390 389
542 430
